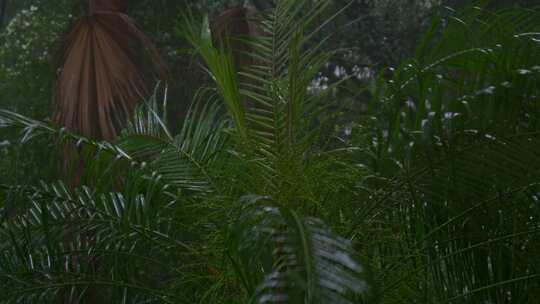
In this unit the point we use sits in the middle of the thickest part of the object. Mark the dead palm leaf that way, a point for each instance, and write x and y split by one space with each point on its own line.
229 28
234 28
101 71
101 76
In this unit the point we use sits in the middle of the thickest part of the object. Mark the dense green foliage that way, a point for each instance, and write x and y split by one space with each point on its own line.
430 194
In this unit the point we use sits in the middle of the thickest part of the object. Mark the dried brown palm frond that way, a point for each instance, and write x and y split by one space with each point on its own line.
230 28
233 28
102 71
106 64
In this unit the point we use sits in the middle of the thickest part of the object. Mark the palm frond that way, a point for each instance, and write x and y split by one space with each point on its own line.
276 120
100 79
230 29
66 242
282 257
471 210
183 160
453 136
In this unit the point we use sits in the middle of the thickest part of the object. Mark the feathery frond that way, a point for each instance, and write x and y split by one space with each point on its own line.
285 258
453 140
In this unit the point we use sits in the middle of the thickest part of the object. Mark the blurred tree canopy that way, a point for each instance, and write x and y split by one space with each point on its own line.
368 35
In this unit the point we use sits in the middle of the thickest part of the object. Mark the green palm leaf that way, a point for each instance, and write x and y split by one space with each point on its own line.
285 258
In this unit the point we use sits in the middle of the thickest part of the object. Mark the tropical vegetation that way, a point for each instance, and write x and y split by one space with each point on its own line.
416 182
